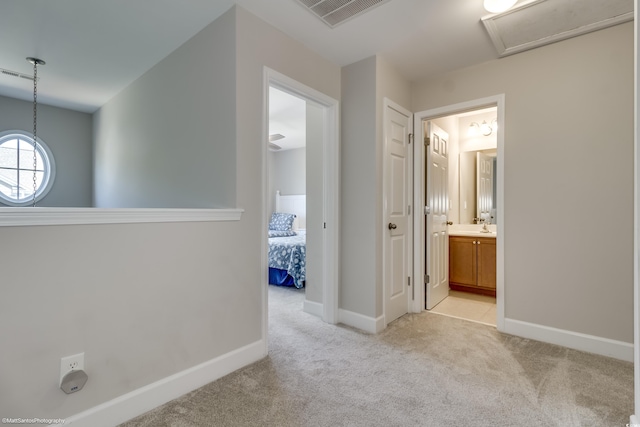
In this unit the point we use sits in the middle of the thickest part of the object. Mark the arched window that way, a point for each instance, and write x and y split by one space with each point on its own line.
17 182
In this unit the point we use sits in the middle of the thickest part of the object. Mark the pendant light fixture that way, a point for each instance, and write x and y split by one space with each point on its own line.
35 62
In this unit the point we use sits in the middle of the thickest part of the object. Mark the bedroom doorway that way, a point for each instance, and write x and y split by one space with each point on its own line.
303 170
289 135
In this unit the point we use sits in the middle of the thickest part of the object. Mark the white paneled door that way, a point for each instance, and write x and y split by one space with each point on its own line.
397 210
437 196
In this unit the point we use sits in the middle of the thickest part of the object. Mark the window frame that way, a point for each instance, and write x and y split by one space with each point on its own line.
48 161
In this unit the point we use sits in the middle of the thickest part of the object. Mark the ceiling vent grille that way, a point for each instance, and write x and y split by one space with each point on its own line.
536 23
335 12
16 74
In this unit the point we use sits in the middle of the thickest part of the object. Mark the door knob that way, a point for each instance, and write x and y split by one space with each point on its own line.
449 222
392 226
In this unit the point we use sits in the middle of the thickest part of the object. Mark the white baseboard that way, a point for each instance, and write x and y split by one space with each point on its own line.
313 307
359 321
589 343
633 421
144 399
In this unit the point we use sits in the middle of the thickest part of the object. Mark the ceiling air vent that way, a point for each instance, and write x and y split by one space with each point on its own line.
536 23
335 12
16 74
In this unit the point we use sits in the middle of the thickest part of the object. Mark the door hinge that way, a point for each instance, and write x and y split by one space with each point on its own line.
427 141
427 210
408 281
426 279
410 138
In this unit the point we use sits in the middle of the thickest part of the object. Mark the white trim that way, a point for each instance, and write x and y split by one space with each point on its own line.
634 421
331 184
137 402
360 321
11 217
313 307
419 270
578 341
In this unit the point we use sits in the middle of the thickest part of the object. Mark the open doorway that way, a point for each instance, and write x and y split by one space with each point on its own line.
287 200
300 179
471 163
459 240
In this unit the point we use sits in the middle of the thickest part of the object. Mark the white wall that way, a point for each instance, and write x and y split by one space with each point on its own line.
568 177
68 134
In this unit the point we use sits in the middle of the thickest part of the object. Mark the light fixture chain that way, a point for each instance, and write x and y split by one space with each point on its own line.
35 130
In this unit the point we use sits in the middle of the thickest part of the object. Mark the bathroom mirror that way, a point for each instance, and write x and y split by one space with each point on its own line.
477 192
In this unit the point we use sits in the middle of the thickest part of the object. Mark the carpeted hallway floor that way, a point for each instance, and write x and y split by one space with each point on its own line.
423 370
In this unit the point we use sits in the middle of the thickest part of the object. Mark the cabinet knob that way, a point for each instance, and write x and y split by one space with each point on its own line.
392 226
449 222
474 242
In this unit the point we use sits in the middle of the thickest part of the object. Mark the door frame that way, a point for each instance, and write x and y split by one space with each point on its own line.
331 184
419 179
387 103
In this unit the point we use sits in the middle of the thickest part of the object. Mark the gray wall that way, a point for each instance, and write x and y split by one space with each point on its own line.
359 199
260 45
568 177
365 84
289 170
149 153
68 134
146 301
315 202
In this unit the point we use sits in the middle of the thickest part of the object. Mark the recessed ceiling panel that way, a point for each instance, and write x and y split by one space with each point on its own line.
335 12
540 22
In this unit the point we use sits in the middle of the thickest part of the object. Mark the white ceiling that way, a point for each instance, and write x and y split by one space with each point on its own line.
95 48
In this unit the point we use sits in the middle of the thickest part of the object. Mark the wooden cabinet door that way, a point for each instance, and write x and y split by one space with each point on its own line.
486 262
462 260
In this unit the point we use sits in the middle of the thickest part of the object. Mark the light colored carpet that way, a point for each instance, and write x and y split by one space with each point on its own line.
423 370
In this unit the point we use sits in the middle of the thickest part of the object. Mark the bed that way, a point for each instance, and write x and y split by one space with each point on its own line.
287 241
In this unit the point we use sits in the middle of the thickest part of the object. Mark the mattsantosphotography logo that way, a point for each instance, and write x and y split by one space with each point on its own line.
44 421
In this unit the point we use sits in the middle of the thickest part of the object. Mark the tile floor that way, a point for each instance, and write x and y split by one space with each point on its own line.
464 305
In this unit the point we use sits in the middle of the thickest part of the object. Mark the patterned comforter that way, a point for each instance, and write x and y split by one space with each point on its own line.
289 253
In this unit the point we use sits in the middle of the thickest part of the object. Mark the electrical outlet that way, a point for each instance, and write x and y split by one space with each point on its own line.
71 363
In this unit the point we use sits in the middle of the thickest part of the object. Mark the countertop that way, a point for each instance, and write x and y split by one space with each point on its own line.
472 230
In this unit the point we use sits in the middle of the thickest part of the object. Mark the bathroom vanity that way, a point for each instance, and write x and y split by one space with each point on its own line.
472 262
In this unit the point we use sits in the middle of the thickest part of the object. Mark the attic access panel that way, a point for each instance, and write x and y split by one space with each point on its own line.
335 12
539 22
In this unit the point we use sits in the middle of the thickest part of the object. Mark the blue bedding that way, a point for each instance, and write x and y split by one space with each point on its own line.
289 254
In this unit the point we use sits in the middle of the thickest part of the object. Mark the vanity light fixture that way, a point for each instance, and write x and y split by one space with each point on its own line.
498 6
484 128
